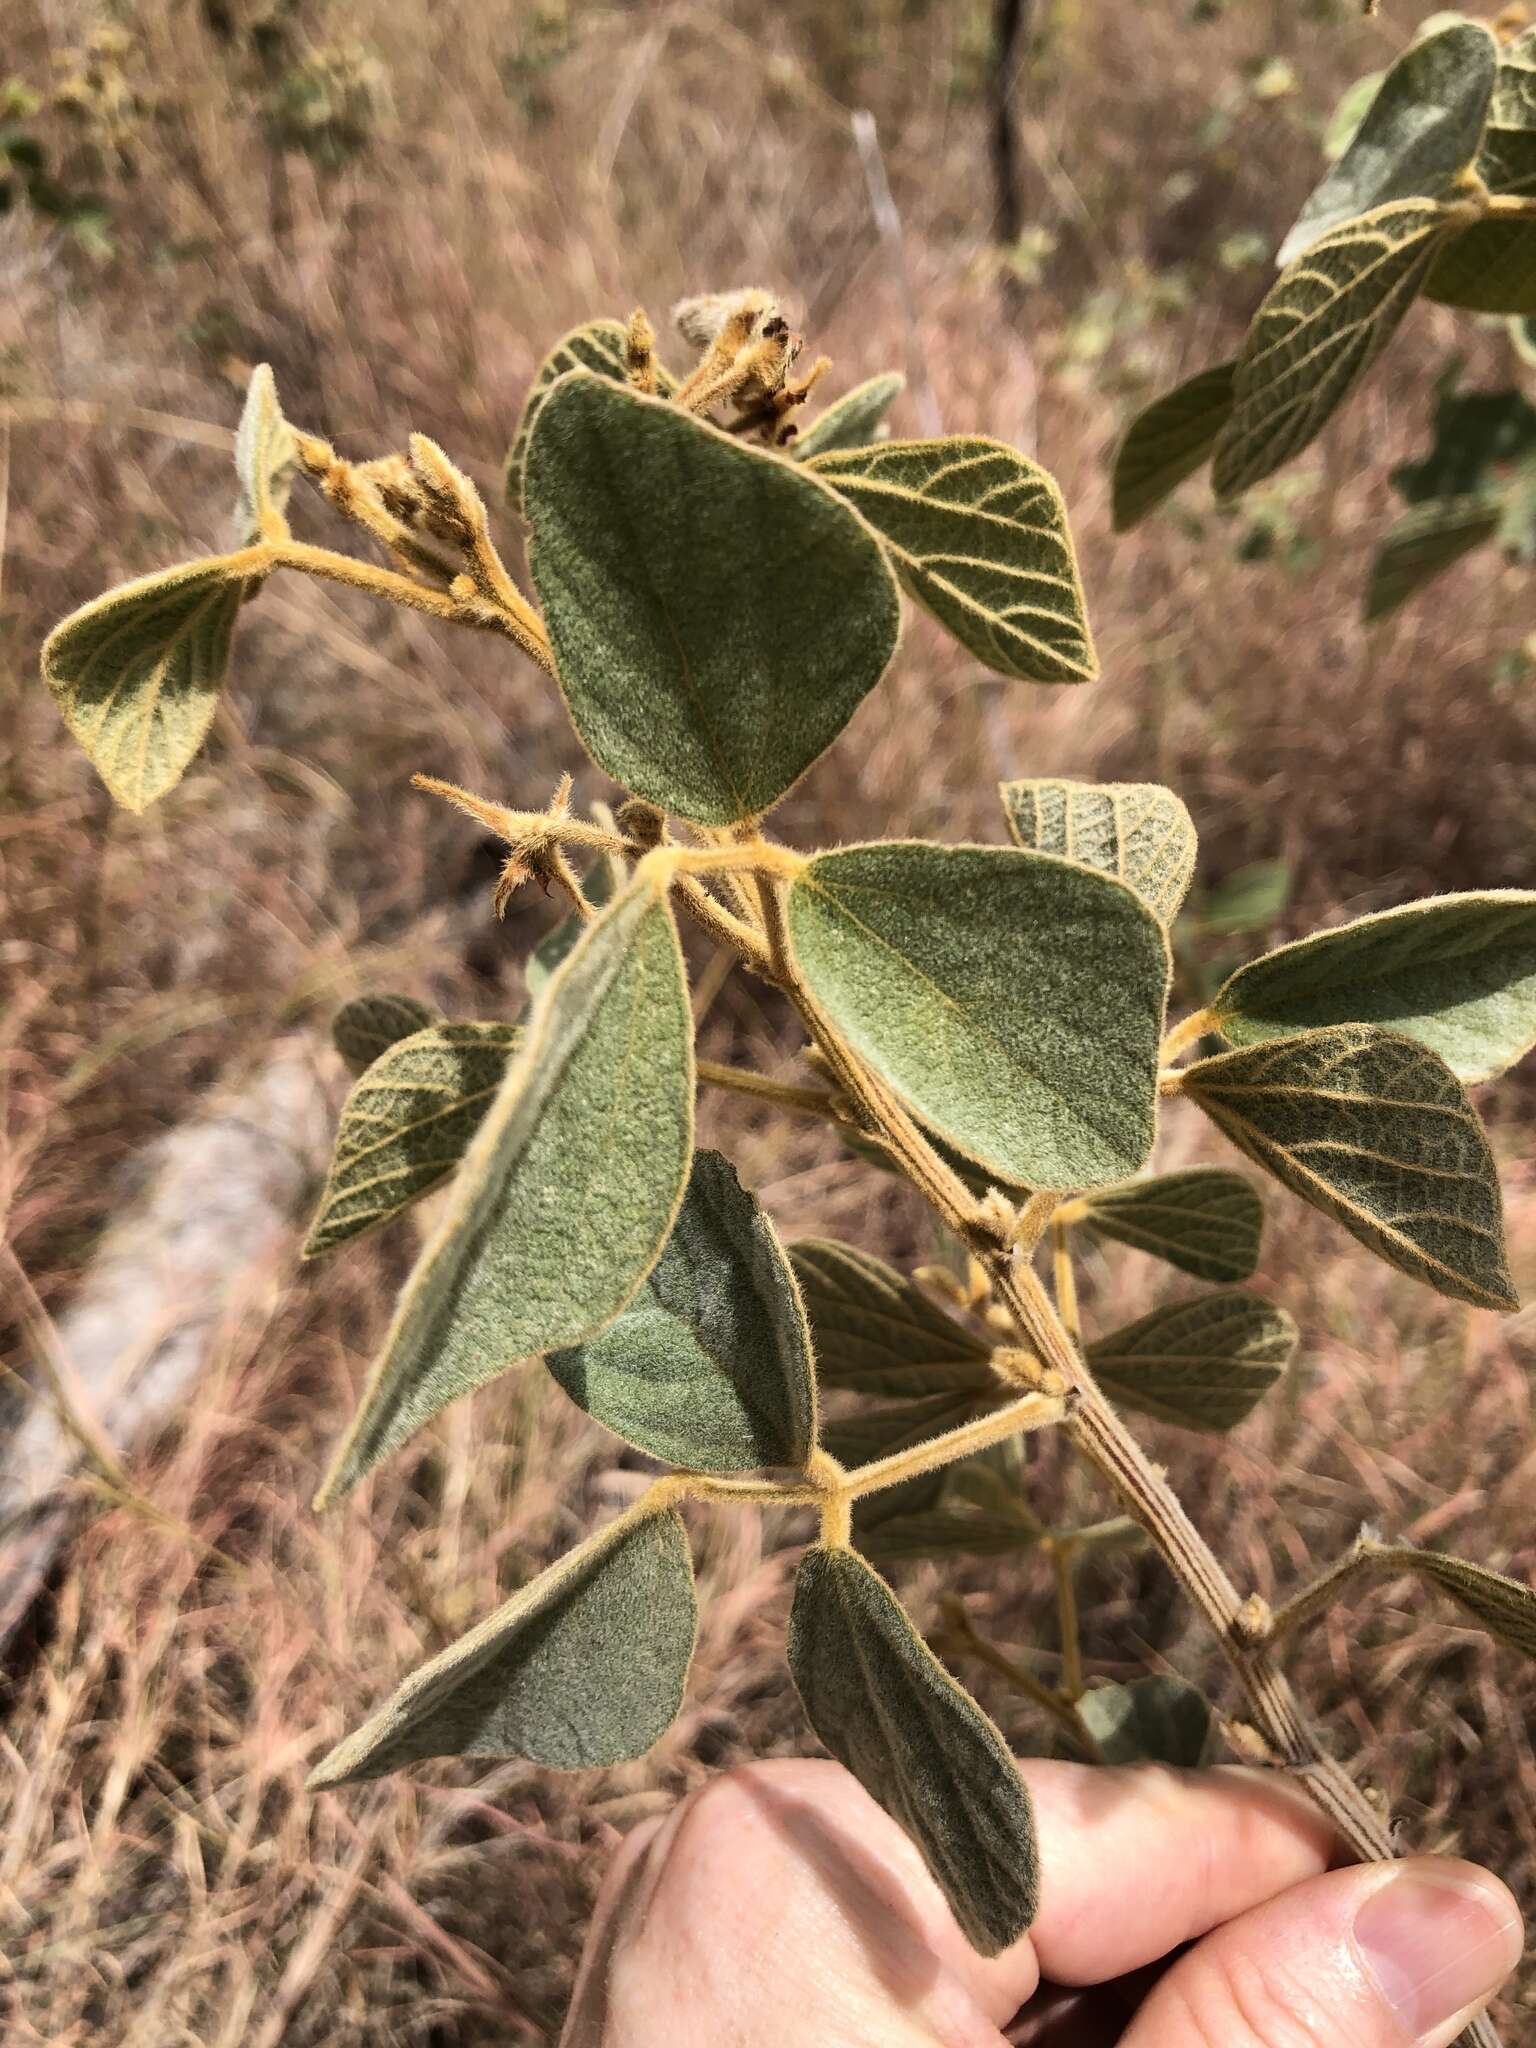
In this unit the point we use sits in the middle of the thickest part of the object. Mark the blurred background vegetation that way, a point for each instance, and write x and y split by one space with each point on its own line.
400 206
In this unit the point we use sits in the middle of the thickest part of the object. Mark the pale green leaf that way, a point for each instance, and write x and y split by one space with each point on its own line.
710 1365
853 420
717 613
1136 830
1167 442
598 346
882 1704
978 534
1203 1364
369 1025
1203 1220
1157 1720
1420 131
568 1190
1350 110
1322 326
876 1332
265 455
137 673
1013 999
1244 901
1503 1606
1422 545
1376 1131
407 1125
600 884
1458 973
585 1666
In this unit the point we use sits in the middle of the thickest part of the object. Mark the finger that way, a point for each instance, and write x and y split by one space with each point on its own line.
1398 1955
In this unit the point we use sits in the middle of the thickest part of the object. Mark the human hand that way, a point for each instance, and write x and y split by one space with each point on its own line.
779 1907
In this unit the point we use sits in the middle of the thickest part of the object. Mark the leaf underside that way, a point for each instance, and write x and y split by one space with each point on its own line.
853 420
1137 831
1204 1220
1422 545
1168 441
1503 1606
369 1025
1202 1364
877 1332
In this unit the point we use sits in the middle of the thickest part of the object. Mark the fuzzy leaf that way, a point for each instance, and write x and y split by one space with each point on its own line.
717 614
1158 1720
710 1364
1377 1132
1490 268
601 883
1421 130
1136 830
137 674
1322 326
853 420
369 1025
979 537
876 1332
1014 1000
1458 973
881 1702
568 1190
1203 1220
860 1435
584 1667
1503 1606
1167 442
598 346
1422 545
407 1124
265 454
1203 1364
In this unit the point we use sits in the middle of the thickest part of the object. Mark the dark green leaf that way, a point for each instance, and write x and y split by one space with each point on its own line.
1422 545
1203 1220
1489 268
876 1332
717 614
1136 830
881 1702
1479 436
1167 442
598 346
859 1435
853 420
584 1667
369 1025
1203 1364
1157 1720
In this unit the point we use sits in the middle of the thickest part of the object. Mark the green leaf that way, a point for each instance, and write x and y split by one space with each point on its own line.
1203 1220
1203 1364
1157 1720
568 1190
1322 326
1013 999
600 884
1503 1606
1246 900
717 614
407 1124
1377 1132
1421 130
1479 438
710 1364
945 1531
1457 973
884 1706
853 420
598 346
265 455
137 673
1138 831
1353 105
860 1435
369 1025
978 534
1422 545
584 1667
876 1332
1489 268
1167 442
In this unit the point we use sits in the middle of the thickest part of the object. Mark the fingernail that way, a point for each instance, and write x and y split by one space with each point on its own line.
1437 1941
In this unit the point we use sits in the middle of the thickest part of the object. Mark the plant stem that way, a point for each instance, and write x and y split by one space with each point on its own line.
1184 1035
1033 1411
814 1101
959 1627
1065 1279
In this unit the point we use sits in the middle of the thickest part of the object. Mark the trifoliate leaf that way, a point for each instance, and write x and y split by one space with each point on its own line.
1458 973
568 1190
584 1667
1167 442
1014 1000
369 1025
597 345
710 1364
1136 830
600 884
1203 1220
1420 131
876 1332
1422 545
265 454
978 534
137 673
853 420
1376 1131
881 1702
1322 326
1158 1720
407 1125
1503 1606
717 613
1203 1364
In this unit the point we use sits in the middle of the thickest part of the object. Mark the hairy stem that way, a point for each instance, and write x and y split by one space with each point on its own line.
814 1101
963 1637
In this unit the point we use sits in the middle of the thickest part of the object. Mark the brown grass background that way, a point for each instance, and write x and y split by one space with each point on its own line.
163 1877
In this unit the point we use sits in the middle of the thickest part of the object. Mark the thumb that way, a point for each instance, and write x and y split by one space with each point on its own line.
1398 1955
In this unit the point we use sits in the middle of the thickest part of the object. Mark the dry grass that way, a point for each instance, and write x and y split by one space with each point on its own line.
163 1879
